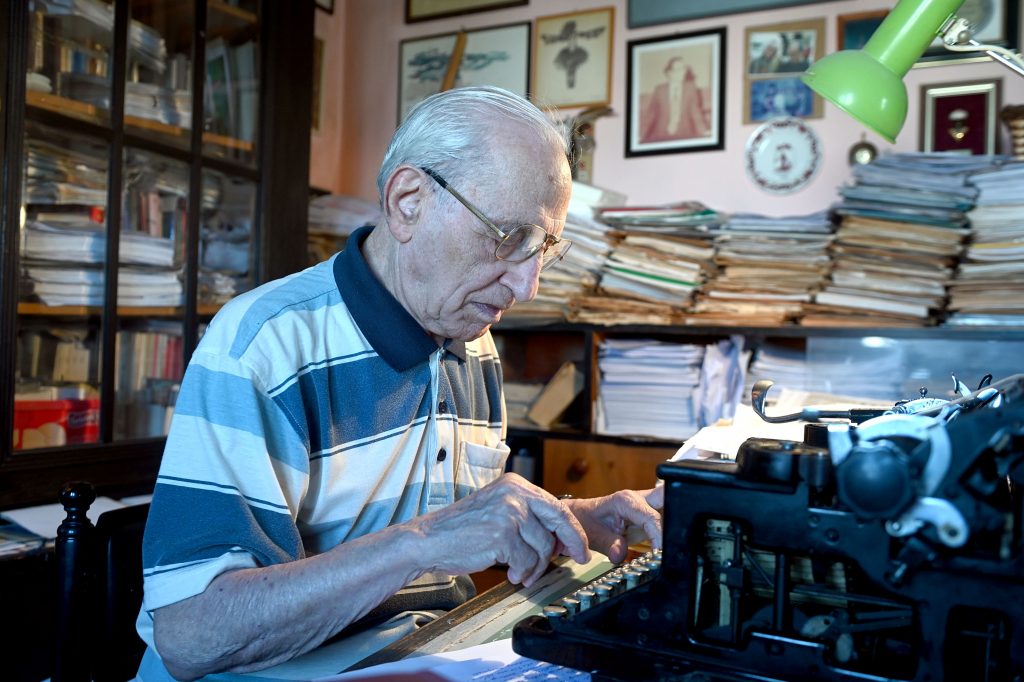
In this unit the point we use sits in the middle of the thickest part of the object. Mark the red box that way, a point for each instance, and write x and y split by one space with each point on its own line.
47 423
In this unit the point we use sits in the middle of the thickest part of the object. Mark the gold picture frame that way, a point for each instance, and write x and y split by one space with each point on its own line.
572 58
775 55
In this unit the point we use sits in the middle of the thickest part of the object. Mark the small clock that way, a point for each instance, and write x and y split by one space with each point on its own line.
783 155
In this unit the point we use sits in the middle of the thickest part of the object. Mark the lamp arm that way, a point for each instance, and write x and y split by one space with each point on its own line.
956 37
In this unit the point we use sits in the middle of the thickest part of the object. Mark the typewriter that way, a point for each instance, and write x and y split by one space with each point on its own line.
887 545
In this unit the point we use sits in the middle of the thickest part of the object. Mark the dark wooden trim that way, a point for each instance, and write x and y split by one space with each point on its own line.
195 186
14 19
286 114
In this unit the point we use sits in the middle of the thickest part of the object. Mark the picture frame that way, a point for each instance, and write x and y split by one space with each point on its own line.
572 58
325 5
854 30
693 66
218 90
961 117
652 12
995 23
425 10
775 55
496 55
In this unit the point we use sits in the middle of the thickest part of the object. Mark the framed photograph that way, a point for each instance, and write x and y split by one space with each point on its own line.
424 10
498 55
961 117
995 23
776 55
675 100
651 12
218 89
854 30
325 5
572 58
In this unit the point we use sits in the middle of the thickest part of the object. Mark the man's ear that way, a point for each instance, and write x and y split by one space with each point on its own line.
403 201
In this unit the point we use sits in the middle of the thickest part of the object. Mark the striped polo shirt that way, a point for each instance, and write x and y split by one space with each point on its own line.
315 410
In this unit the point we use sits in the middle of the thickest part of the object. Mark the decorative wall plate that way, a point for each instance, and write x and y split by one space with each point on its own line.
782 155
862 152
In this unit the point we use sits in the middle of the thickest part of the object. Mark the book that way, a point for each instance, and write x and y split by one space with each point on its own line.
557 395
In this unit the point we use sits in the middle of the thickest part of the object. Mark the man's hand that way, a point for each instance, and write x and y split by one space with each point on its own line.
511 521
606 519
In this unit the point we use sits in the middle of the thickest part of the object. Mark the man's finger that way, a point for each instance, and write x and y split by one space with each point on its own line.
559 520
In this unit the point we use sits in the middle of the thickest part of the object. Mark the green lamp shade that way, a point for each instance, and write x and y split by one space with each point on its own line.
863 87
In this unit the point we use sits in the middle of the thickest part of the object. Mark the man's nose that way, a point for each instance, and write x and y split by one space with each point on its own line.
523 278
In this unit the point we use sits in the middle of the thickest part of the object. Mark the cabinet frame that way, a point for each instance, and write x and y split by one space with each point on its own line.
279 169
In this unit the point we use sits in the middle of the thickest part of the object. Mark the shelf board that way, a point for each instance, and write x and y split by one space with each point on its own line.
204 310
99 116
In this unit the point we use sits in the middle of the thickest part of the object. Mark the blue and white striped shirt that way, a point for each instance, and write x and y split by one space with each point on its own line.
314 411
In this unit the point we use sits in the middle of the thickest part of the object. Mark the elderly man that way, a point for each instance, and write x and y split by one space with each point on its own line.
337 450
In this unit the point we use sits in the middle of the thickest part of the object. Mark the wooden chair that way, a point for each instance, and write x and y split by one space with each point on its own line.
99 575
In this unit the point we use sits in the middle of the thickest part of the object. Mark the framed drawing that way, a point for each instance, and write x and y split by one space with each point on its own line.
675 99
995 23
776 55
960 117
650 12
854 30
572 58
498 55
423 10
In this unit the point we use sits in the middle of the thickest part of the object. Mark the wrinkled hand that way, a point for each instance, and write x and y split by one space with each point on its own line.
510 521
606 519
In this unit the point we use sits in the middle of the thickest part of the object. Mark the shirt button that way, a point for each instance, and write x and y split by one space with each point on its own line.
442 407
442 454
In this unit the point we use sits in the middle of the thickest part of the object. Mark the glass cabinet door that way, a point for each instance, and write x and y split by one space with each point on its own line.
231 85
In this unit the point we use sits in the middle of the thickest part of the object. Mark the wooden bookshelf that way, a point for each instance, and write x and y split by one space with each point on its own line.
40 309
97 115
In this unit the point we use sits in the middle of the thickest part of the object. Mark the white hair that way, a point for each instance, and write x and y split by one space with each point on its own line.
451 132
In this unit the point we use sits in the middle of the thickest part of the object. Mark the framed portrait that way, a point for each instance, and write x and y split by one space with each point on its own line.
776 55
424 10
854 30
994 22
675 100
651 12
498 55
961 117
572 58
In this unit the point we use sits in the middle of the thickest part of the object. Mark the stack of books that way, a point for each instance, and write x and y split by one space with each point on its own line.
901 231
662 254
769 268
989 284
647 388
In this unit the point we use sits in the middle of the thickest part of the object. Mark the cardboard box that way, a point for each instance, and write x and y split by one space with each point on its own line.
49 423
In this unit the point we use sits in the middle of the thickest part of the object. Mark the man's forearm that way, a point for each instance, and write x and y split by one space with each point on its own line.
251 619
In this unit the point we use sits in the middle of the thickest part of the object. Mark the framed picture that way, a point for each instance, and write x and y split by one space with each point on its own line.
675 100
423 10
776 55
218 89
854 30
960 117
650 12
572 58
325 5
995 23
498 55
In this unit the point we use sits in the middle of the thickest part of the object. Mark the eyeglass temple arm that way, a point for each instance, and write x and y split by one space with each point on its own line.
465 202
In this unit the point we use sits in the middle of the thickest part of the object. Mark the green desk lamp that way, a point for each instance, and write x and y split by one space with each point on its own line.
868 84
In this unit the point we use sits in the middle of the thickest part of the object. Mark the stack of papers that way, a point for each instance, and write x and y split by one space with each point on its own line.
647 388
902 228
136 287
768 269
989 284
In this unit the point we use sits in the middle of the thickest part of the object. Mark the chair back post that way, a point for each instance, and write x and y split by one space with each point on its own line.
75 592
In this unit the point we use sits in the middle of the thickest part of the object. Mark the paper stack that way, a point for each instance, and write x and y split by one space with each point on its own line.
902 227
647 388
332 218
768 269
989 284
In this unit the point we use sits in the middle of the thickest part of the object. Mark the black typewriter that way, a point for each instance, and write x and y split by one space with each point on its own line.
885 546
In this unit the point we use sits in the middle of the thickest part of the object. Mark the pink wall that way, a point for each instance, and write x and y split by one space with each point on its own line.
325 163
373 29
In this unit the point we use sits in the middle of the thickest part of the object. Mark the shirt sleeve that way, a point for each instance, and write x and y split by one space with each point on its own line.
232 478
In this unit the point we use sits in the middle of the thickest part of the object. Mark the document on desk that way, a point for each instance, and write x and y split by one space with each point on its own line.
491 662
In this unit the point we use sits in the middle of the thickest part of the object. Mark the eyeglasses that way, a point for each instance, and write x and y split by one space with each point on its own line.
520 243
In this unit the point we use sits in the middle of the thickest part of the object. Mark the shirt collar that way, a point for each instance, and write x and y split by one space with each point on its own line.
389 328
